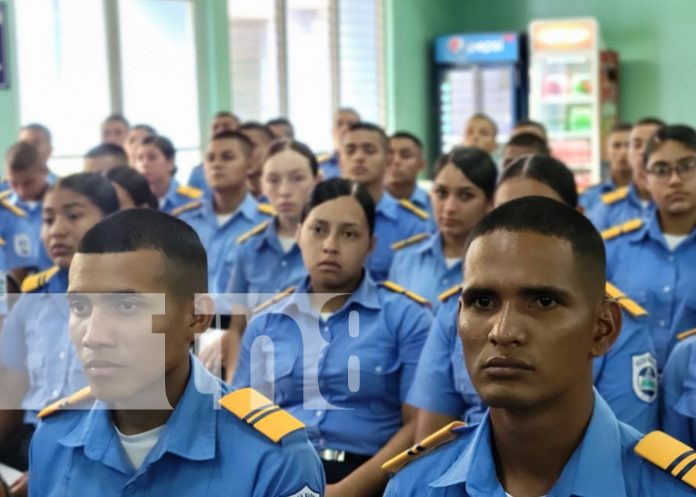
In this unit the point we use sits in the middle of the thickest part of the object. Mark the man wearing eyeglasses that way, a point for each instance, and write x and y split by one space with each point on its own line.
654 260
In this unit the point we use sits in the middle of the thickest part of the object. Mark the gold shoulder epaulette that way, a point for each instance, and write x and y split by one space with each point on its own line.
409 206
186 207
266 209
5 194
253 232
410 241
622 229
428 444
628 304
2 242
390 285
444 296
189 191
36 281
74 399
670 455
271 301
323 157
260 412
686 334
615 196
13 208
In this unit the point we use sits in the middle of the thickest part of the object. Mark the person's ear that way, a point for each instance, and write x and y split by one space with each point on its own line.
607 327
201 314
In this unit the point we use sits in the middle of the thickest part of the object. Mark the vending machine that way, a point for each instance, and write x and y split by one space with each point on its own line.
479 73
574 92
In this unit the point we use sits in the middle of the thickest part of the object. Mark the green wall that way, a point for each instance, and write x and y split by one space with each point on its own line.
9 101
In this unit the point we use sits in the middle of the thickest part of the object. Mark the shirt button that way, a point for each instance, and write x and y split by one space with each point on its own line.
61 355
670 258
319 413
283 263
55 393
667 289
663 324
326 329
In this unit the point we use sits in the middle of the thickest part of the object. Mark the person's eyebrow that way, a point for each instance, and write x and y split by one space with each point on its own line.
125 291
546 291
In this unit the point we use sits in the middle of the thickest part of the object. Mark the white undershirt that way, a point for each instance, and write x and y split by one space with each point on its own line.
137 447
287 242
450 262
223 218
31 204
673 241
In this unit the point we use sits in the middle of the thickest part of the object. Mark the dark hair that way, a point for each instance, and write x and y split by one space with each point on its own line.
621 128
162 143
408 136
552 172
226 113
256 126
348 110
107 149
551 218
650 120
475 164
22 157
117 118
530 140
145 127
135 184
241 138
95 187
281 121
280 145
340 187
485 117
146 229
534 124
680 133
41 129
373 128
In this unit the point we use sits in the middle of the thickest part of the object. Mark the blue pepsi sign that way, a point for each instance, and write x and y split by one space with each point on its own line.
4 63
477 48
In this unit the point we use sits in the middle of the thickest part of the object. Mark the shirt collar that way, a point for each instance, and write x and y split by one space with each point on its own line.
193 441
387 206
248 208
365 295
420 198
173 187
594 470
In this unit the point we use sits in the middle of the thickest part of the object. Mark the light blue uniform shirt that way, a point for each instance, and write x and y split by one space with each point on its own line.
603 465
361 360
197 179
263 267
330 168
22 235
35 340
605 216
203 450
593 195
660 280
220 242
423 270
678 392
626 376
174 199
393 223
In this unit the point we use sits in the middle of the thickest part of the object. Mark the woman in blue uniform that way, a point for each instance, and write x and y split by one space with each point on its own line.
35 347
442 389
462 194
339 352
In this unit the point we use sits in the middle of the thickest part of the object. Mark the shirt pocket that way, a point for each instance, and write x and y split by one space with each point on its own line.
272 367
37 371
375 382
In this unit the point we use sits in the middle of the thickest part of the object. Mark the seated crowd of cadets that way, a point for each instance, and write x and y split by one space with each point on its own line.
250 204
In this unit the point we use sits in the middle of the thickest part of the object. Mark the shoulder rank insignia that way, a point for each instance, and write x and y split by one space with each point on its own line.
266 209
5 194
74 399
2 242
271 301
390 285
670 455
628 304
12 208
409 206
410 241
444 296
253 232
323 157
258 411
428 444
185 208
189 191
36 281
622 229
615 196
686 334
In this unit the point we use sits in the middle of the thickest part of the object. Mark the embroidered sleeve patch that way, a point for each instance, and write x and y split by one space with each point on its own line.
644 373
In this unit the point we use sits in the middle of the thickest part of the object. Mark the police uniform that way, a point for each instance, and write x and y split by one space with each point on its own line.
329 166
621 205
420 265
345 376
20 228
262 264
220 241
177 196
612 459
197 180
395 220
659 279
626 376
203 450
678 390
593 195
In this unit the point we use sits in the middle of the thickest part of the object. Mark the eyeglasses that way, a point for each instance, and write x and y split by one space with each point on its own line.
685 169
